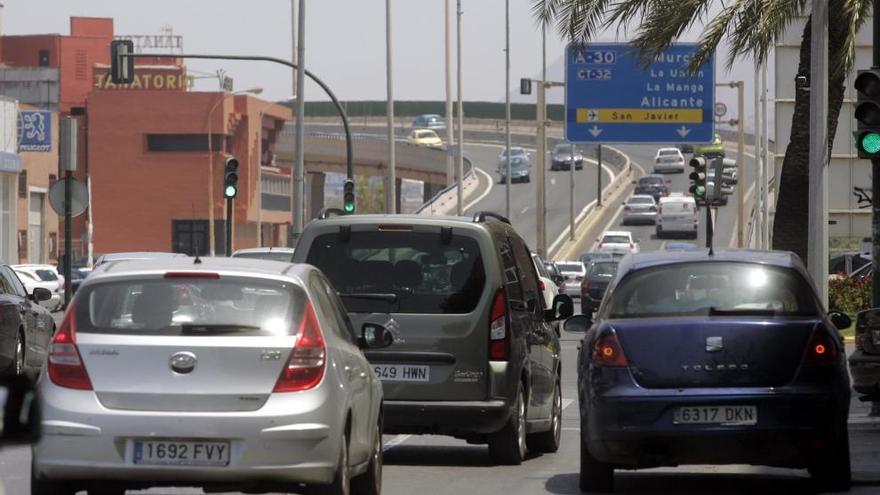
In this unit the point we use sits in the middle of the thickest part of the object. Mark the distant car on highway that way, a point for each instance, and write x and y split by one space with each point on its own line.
284 254
668 160
560 158
574 272
220 374
712 359
520 165
653 185
617 241
425 137
639 208
715 148
430 121
677 215
599 275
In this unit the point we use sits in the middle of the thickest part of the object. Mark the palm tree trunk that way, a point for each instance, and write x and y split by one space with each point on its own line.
792 206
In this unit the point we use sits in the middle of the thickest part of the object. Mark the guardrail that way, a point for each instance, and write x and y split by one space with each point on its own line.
441 196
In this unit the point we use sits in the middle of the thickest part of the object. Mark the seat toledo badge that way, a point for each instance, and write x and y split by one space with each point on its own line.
714 344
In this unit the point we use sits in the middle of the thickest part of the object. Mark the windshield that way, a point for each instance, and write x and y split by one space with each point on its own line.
650 181
669 152
641 201
514 152
570 267
422 273
603 270
564 148
46 275
266 255
233 306
712 288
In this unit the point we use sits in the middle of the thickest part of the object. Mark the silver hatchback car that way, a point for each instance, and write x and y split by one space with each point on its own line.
220 373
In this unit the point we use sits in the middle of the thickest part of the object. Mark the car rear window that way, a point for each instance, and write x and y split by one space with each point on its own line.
233 306
46 275
616 239
402 272
712 288
641 201
272 256
600 270
650 181
569 267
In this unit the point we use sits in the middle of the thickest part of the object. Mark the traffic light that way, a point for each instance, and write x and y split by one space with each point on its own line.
230 178
348 196
868 113
718 179
698 177
121 66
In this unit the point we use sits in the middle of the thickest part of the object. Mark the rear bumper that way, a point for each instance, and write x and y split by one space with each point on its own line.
865 371
639 431
458 418
646 217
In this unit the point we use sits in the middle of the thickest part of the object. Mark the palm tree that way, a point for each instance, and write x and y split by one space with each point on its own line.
751 27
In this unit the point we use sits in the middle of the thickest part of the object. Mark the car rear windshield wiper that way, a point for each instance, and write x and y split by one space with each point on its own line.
390 298
216 329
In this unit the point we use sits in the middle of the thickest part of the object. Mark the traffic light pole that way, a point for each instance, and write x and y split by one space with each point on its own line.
229 210
875 180
710 226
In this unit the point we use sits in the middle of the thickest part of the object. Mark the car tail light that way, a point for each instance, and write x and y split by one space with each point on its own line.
499 336
860 339
305 367
608 351
627 208
820 350
541 285
585 286
631 245
207 275
64 365
653 208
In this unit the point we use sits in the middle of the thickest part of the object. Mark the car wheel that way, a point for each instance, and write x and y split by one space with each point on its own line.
831 467
508 445
16 367
47 487
595 476
341 485
548 441
370 483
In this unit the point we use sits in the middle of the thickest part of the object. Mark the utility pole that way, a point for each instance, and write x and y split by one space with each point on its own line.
765 166
390 184
875 188
817 255
460 118
756 232
599 175
740 161
540 168
571 196
507 105
450 125
299 138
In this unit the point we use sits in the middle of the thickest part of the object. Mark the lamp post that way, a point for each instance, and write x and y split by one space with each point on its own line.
391 179
260 167
211 235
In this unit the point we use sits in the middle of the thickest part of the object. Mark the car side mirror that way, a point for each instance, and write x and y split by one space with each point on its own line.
20 406
374 336
577 323
558 279
840 320
41 294
563 307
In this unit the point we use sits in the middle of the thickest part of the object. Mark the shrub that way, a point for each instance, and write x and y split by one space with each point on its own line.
850 294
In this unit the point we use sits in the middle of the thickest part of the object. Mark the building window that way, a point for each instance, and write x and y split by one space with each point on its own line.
183 142
44 58
81 67
22 184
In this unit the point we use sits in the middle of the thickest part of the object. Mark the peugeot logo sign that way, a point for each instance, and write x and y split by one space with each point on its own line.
183 362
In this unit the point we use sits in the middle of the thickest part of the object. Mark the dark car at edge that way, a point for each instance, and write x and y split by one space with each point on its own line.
713 359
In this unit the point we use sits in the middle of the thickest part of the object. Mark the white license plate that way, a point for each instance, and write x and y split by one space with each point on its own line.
181 453
402 372
716 415
875 337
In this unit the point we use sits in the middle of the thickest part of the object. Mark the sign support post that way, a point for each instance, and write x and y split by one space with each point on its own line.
68 165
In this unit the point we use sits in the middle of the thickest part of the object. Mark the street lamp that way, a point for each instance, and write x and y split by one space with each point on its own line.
211 236
260 167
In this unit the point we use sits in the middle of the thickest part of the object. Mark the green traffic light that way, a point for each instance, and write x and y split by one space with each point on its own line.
348 207
870 143
698 191
230 191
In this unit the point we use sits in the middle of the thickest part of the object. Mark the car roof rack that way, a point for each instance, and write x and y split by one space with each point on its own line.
326 213
481 216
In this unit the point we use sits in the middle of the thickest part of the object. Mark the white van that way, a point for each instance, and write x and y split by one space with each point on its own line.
677 214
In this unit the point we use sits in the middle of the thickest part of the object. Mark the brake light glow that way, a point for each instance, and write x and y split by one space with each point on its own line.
608 352
208 275
64 365
499 336
305 367
820 350
585 286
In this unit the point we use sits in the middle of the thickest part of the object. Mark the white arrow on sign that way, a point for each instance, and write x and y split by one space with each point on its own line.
683 131
595 131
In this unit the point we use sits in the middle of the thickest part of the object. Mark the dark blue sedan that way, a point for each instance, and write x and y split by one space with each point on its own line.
712 359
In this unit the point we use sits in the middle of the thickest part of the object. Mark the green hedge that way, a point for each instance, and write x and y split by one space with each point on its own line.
849 294
472 109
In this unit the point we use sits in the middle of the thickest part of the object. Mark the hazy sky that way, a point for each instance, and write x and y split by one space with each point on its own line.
345 42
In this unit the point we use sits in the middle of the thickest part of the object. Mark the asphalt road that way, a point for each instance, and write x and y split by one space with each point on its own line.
523 195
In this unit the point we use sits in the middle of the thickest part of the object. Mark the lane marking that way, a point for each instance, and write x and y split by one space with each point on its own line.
524 210
394 442
663 245
489 180
566 403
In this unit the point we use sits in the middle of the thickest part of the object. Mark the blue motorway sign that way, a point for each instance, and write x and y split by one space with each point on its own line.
610 97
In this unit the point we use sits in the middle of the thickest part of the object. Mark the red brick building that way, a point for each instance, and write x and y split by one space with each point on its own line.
144 148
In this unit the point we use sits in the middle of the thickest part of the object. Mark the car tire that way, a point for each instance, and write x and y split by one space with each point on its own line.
17 366
508 445
47 487
370 482
547 442
341 484
831 467
595 476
